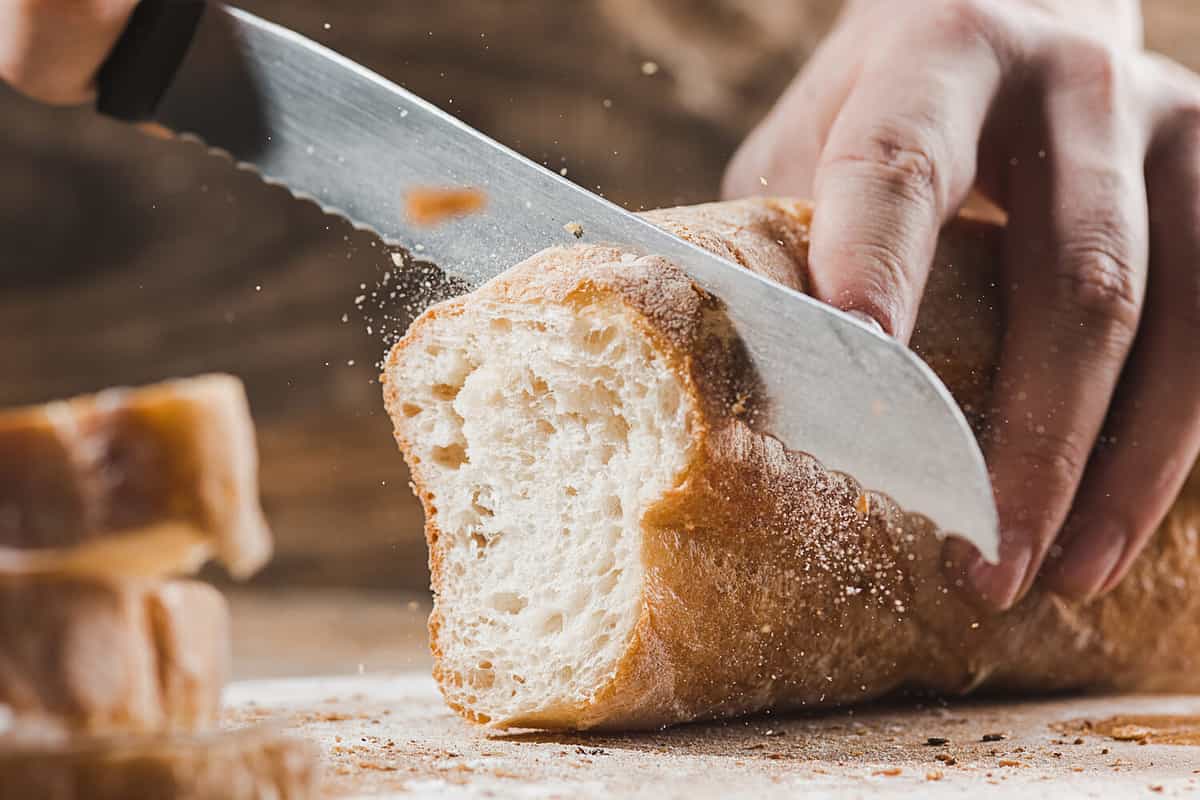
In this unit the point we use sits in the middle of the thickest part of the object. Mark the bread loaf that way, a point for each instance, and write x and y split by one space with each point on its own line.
81 655
615 544
250 764
137 482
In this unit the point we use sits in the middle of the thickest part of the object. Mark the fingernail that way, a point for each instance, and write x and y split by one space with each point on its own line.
1086 565
999 584
867 320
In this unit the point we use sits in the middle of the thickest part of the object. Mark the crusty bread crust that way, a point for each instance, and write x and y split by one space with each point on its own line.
249 764
771 582
145 481
88 656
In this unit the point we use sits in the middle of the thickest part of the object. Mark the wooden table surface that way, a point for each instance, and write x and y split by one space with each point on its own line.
350 671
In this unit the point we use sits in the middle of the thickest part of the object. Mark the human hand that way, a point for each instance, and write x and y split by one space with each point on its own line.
1052 110
50 50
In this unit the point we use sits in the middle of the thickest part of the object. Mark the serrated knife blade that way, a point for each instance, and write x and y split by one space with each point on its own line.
331 130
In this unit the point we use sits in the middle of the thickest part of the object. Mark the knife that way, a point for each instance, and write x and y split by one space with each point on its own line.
334 132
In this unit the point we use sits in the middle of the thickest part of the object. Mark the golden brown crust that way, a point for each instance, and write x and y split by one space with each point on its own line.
771 582
86 655
86 483
250 764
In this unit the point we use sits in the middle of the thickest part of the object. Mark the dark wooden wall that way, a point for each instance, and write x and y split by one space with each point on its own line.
125 259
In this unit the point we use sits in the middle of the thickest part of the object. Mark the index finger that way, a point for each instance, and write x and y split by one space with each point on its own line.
900 160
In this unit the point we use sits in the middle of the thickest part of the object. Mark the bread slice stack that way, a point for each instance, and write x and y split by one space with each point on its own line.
615 542
111 661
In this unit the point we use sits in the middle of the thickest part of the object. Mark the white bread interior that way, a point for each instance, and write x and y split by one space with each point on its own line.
547 432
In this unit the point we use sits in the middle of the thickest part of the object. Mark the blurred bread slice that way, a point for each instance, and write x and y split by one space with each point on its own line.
147 481
248 764
90 655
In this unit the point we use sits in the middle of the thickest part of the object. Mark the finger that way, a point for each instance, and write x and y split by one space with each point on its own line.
899 161
779 156
51 49
1075 258
1153 435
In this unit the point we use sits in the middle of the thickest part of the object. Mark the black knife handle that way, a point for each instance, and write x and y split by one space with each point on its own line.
136 74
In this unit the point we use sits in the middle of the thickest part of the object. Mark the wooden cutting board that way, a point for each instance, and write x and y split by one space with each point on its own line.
384 731
389 735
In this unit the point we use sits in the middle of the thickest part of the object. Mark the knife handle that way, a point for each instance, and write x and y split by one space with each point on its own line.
136 74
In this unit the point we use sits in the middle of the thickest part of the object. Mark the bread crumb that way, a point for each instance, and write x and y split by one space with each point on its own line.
1008 762
575 229
649 68
946 759
431 205
890 772
863 504
934 775
993 737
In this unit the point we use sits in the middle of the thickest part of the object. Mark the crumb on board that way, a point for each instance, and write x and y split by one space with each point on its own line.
575 229
937 741
993 737
890 772
934 775
946 759
431 205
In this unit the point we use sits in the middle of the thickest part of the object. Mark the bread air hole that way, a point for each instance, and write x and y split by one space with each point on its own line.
410 410
552 625
598 339
451 457
509 602
444 391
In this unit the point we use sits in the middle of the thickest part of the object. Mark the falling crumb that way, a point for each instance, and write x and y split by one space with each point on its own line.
649 68
975 626
258 287
890 772
739 405
327 26
575 229
762 180
606 102
350 363
345 318
993 737
934 775
430 206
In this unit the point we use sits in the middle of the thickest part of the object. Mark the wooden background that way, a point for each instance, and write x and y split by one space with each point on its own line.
125 259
